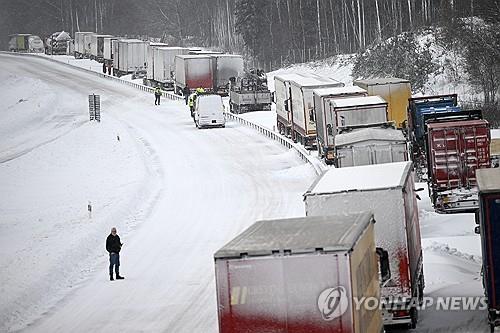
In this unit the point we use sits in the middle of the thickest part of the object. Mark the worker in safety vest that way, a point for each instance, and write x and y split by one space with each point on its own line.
157 95
191 100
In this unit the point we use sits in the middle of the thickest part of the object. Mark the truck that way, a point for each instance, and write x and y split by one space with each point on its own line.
488 217
323 115
108 51
82 44
194 71
420 109
249 92
373 145
150 61
97 47
345 114
282 95
130 58
387 190
35 44
495 152
455 150
299 275
226 67
395 91
19 42
161 66
303 116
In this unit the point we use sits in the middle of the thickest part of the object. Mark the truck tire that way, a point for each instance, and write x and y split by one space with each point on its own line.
414 318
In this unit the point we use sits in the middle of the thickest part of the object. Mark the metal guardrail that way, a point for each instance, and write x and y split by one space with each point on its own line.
318 167
303 154
106 76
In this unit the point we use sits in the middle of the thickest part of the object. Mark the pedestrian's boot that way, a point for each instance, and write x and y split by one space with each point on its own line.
111 277
118 277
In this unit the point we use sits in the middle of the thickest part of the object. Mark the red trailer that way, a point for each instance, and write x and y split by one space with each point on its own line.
194 71
300 275
455 150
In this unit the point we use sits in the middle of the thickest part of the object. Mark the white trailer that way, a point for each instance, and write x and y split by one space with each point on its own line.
303 117
97 46
322 98
370 146
131 55
226 67
161 66
335 115
150 60
108 50
388 191
282 98
82 44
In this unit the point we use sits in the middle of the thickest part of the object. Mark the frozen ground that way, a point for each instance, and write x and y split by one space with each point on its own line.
176 194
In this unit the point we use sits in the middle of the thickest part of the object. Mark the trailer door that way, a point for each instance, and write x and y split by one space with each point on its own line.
474 152
490 233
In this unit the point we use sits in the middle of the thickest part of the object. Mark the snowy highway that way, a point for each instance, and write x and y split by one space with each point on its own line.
176 194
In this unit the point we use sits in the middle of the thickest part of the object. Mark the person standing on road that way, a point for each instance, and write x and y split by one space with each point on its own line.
113 246
157 95
186 92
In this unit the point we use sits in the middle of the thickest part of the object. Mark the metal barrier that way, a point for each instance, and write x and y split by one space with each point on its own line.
106 76
318 167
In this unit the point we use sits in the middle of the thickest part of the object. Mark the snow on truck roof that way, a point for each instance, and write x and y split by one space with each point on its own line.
488 180
366 134
360 178
384 80
358 101
288 76
306 81
335 91
298 235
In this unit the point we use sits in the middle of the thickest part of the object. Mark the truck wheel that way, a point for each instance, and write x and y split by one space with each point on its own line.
414 318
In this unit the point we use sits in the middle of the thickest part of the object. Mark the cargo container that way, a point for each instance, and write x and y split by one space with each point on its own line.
387 190
394 91
226 67
299 275
370 146
495 152
303 117
194 71
455 150
282 95
488 181
97 47
82 44
107 52
322 98
131 56
19 42
35 44
150 60
161 66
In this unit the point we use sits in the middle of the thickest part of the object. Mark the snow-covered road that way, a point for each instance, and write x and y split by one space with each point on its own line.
175 193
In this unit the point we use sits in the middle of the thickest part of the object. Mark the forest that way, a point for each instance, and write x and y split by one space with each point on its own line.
271 32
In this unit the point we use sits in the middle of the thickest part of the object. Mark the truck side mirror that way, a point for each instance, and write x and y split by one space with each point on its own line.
476 217
477 230
286 106
385 270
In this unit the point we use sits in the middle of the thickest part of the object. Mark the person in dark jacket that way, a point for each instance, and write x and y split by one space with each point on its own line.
113 246
186 92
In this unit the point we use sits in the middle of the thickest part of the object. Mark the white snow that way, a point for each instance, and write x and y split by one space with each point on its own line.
175 194
357 101
495 133
367 177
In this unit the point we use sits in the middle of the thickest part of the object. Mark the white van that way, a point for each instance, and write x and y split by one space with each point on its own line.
209 111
